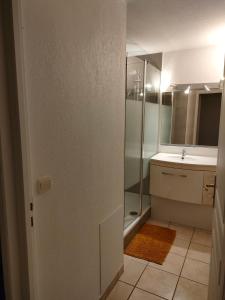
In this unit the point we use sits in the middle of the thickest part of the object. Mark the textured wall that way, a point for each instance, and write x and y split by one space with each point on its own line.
74 63
194 65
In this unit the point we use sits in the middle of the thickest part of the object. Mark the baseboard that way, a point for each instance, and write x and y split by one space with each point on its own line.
112 284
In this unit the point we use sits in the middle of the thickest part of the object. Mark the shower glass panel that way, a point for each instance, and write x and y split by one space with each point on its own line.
142 126
151 126
133 138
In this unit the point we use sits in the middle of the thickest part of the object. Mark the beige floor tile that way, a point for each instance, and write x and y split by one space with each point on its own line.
196 271
199 252
202 237
173 264
189 290
127 258
132 271
158 282
142 295
121 291
182 232
180 247
156 222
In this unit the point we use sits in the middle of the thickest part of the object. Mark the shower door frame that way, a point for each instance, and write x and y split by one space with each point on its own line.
142 138
142 133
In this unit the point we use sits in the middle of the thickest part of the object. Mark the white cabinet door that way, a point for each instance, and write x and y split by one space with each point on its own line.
176 184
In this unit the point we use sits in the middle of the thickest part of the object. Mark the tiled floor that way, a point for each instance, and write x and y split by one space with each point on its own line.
183 276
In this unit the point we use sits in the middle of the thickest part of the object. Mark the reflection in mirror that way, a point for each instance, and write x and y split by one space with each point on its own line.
190 115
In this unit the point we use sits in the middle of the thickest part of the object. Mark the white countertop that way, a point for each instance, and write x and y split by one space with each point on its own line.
188 159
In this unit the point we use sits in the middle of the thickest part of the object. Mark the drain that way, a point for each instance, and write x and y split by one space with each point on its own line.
133 213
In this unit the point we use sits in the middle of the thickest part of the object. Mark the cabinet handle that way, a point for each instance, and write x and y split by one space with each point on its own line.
171 174
210 185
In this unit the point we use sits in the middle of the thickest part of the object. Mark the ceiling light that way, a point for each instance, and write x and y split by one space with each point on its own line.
187 91
206 88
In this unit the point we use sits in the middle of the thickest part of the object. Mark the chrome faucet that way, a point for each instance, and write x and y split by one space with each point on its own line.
183 153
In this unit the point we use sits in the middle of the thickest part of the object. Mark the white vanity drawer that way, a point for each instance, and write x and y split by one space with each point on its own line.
176 184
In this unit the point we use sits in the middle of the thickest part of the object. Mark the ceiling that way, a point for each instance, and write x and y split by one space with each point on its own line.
169 25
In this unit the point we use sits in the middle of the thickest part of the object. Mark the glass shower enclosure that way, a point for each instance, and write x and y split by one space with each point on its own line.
141 133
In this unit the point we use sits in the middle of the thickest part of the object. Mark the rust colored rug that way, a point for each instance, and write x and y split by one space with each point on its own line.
151 243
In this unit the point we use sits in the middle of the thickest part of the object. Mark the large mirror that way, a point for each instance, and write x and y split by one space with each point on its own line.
190 114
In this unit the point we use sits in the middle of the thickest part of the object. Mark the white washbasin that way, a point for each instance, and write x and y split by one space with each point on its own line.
178 158
188 159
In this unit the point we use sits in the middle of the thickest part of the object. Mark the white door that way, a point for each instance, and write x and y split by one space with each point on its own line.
73 55
217 273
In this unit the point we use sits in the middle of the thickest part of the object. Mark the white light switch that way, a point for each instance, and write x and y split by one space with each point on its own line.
44 184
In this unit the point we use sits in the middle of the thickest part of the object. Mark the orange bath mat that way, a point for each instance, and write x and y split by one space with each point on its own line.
151 243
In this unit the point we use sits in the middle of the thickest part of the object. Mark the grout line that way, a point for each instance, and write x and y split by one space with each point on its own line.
198 260
150 293
174 253
126 283
179 276
133 287
194 281
198 243
183 264
131 292
137 281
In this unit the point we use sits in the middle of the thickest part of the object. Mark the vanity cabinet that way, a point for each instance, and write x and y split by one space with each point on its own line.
182 184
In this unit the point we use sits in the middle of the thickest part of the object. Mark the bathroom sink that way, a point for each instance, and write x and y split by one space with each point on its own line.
188 159
178 157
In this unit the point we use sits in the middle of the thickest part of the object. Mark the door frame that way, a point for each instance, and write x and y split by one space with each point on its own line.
20 177
197 111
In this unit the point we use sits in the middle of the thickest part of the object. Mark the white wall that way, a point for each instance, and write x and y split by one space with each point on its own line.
193 65
74 55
